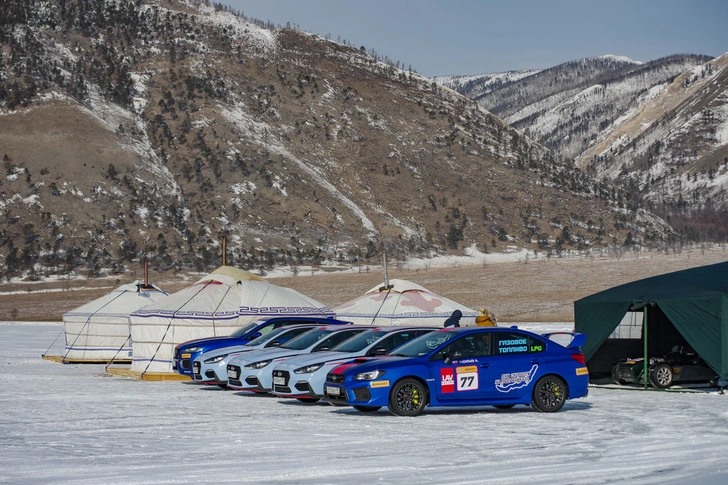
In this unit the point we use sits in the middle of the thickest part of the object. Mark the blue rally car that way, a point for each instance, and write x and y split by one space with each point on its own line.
466 366
186 352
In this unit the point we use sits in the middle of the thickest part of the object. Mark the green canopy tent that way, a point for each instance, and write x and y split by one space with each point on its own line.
685 307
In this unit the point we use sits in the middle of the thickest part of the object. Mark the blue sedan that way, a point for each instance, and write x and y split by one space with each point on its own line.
466 366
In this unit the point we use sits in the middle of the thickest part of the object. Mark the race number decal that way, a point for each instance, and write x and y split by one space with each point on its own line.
467 378
447 380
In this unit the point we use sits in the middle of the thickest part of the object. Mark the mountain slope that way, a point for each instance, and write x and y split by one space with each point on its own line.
674 149
149 129
568 106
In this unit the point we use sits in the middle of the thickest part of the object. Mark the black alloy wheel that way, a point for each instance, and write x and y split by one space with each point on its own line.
408 398
549 394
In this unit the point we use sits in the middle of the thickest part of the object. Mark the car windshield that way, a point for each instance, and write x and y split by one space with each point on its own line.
359 342
424 344
270 335
306 340
242 331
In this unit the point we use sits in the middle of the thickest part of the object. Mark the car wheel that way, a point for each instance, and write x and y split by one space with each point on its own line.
549 394
662 376
504 406
408 398
367 409
308 400
615 376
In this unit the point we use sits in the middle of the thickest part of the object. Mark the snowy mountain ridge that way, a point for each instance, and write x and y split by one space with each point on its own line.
148 130
639 125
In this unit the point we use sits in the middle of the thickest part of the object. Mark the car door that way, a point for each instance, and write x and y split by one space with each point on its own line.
518 359
462 370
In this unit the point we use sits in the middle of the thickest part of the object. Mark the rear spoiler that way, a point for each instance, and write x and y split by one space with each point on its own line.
570 340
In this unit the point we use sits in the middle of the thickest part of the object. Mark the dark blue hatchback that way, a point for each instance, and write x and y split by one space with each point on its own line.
186 352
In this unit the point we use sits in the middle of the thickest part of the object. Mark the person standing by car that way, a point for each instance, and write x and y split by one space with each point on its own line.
454 319
485 318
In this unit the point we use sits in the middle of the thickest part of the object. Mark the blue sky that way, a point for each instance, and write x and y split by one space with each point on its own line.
474 37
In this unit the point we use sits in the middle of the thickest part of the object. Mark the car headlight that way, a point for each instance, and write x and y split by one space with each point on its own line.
215 360
369 376
194 349
258 365
308 369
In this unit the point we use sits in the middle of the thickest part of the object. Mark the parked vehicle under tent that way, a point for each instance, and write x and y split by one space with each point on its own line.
401 302
99 331
216 305
649 317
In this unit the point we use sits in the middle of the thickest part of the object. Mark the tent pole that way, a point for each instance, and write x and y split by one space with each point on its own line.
384 264
224 251
644 338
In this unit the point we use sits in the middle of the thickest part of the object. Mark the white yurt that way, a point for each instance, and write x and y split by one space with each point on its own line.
216 305
99 331
402 302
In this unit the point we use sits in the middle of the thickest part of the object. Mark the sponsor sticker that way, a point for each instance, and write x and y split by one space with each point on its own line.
581 371
515 380
467 378
447 380
379 384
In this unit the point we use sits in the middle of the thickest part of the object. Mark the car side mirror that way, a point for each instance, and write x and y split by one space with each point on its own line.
275 344
378 351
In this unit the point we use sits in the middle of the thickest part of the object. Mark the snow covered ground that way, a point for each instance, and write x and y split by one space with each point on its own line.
74 424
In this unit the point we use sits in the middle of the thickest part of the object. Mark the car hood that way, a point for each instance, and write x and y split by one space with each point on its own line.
265 354
315 358
210 342
226 351
373 363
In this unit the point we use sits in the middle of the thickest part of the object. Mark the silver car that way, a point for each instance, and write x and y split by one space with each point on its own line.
211 367
253 372
303 376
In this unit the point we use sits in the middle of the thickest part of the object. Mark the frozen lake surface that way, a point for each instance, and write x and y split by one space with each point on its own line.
75 424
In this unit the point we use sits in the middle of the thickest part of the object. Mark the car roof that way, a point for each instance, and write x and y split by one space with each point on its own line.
395 328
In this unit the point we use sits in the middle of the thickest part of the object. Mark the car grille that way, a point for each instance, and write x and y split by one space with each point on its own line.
196 367
625 373
362 394
234 382
210 374
302 386
336 397
185 364
284 374
335 378
251 380
282 389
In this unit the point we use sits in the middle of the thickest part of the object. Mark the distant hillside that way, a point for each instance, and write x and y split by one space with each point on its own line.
150 129
673 150
568 106
657 129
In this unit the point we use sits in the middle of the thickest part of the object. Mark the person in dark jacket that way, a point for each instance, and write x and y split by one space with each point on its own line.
454 319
